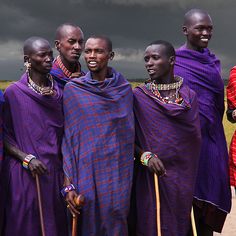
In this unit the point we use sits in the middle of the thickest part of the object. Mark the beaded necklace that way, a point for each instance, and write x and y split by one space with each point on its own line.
36 88
156 88
65 70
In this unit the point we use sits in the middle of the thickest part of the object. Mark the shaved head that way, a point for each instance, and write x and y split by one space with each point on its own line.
63 30
194 14
33 43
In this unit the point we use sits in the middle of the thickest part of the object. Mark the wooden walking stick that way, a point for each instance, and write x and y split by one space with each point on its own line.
40 205
157 205
193 223
79 201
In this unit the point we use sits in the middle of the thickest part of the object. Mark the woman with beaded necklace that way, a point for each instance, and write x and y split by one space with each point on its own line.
33 128
167 144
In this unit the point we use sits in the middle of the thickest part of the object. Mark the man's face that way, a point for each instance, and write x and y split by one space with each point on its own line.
97 54
71 44
157 62
41 57
198 31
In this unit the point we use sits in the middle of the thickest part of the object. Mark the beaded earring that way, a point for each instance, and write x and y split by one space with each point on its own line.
27 65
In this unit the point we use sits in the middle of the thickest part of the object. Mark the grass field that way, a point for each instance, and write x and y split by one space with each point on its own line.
229 128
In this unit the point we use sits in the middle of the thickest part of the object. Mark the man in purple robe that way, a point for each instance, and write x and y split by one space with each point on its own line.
201 72
33 129
69 43
1 133
98 143
167 144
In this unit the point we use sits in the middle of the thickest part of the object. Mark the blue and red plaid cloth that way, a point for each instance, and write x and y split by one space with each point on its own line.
98 150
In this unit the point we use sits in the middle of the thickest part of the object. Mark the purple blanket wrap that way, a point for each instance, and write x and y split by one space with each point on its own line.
59 76
201 72
98 150
1 131
34 124
172 132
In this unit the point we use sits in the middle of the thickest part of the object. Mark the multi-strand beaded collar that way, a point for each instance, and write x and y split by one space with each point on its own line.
36 88
65 70
156 88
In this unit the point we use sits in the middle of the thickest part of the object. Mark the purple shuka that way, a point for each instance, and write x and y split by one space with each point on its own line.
1 133
201 72
34 124
98 151
172 132
58 75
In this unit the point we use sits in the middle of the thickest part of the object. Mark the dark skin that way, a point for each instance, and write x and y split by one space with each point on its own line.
39 53
70 44
160 68
97 56
198 29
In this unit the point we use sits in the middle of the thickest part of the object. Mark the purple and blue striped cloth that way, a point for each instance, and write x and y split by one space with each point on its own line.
98 150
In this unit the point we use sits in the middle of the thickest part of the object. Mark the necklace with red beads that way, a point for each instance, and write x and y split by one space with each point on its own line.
174 98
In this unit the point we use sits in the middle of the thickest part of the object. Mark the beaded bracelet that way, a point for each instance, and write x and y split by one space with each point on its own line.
146 156
27 160
67 189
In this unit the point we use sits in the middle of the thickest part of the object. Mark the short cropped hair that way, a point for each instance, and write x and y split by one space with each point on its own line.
105 38
59 30
170 51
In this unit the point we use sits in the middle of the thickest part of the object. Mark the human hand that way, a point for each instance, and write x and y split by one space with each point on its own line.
37 167
156 166
71 204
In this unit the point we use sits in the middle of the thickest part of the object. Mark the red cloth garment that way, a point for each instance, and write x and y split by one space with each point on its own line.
231 100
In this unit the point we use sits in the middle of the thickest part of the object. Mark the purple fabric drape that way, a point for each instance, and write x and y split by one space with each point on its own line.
98 150
34 124
172 132
59 76
201 72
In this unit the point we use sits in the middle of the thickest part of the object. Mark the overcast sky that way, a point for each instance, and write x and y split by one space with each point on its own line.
131 25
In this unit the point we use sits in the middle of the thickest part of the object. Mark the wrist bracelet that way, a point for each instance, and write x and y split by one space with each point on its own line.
146 156
27 160
234 114
67 189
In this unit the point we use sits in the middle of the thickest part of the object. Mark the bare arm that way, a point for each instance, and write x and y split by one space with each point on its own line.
155 165
35 165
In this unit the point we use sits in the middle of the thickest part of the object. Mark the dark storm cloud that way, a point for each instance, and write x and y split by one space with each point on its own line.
131 24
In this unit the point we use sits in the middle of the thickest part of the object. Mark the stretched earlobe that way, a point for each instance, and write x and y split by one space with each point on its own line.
57 45
112 54
185 30
172 60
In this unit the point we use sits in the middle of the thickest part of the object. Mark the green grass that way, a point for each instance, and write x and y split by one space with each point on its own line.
229 127
4 84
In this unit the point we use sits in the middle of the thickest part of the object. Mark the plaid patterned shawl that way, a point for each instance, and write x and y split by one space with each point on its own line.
98 150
